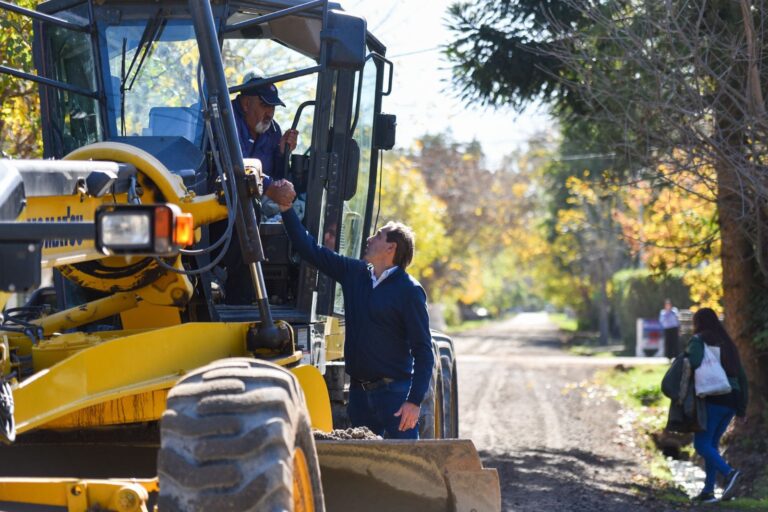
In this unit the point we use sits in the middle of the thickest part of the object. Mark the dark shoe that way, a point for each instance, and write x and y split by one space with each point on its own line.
729 487
705 497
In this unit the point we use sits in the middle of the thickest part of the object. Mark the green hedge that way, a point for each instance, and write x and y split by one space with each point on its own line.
639 294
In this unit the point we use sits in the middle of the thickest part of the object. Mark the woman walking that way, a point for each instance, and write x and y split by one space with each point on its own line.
720 408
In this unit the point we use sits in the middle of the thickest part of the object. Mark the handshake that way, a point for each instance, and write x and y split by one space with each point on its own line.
282 193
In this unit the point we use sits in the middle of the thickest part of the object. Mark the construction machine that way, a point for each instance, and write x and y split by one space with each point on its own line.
133 381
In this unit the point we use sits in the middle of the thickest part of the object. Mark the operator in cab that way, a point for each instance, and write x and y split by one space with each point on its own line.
388 345
260 137
259 134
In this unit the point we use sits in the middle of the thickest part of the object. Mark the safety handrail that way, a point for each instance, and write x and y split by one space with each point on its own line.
275 15
47 18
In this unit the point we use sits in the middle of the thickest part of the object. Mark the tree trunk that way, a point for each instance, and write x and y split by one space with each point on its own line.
741 284
603 307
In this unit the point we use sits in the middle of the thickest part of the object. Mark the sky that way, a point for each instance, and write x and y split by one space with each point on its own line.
414 31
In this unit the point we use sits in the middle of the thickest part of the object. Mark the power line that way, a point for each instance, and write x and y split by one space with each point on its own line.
416 52
584 156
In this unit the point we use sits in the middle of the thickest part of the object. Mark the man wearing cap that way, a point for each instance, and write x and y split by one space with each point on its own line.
259 135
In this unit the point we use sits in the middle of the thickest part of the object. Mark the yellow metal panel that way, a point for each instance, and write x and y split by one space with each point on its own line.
94 310
122 367
63 209
147 316
204 209
316 395
5 355
334 339
148 406
284 360
57 348
79 495
168 289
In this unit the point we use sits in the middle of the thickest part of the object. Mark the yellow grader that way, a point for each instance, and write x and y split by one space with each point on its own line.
135 380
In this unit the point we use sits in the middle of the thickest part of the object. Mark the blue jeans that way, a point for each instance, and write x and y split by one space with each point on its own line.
707 443
376 409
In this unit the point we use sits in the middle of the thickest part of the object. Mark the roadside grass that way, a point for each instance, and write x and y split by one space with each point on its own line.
564 322
745 504
467 325
586 343
596 350
638 389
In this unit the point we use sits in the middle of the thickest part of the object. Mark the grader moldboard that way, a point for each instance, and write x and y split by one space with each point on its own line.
134 381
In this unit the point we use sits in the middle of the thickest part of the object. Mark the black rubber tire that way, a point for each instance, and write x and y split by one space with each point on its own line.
429 426
453 432
228 439
450 398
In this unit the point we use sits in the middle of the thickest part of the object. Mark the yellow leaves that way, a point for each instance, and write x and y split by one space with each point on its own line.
706 285
473 289
571 220
675 227
581 191
405 197
189 59
19 101
519 190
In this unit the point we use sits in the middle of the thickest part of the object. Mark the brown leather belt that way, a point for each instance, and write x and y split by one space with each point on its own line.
370 385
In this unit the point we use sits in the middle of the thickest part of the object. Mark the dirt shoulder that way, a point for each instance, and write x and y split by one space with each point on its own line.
557 441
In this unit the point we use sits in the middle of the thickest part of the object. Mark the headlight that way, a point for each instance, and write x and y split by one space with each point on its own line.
126 229
143 229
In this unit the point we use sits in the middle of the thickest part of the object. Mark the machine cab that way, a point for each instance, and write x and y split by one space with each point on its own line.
130 71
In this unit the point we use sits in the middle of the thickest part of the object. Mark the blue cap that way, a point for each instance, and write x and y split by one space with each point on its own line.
267 92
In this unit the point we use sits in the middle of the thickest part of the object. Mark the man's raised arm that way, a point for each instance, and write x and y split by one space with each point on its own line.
326 261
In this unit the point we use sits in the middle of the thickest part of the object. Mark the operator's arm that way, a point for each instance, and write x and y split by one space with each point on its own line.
420 339
327 261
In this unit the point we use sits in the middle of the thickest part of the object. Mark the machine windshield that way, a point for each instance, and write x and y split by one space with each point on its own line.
152 83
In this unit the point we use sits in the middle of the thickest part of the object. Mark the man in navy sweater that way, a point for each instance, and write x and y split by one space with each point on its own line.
388 346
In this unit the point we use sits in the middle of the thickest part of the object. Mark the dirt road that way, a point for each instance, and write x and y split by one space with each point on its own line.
556 441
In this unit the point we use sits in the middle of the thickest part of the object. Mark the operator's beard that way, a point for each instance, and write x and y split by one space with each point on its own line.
262 126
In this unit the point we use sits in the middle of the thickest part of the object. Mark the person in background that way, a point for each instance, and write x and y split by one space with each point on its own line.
721 409
669 318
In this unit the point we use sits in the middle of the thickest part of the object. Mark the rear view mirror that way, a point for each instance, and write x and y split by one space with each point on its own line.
351 168
384 129
346 40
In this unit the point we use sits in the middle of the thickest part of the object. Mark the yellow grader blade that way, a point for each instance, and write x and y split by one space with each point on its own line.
426 475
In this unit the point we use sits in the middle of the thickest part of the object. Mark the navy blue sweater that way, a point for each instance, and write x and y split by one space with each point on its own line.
387 327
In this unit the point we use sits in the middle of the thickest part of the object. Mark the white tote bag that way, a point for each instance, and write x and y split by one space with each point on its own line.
710 377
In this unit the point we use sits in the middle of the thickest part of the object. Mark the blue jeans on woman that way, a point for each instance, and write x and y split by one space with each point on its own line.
707 443
376 409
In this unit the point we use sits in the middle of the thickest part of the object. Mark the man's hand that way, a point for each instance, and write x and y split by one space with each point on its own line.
409 415
282 193
289 137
